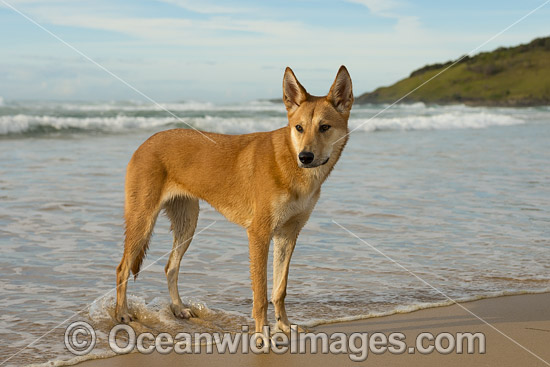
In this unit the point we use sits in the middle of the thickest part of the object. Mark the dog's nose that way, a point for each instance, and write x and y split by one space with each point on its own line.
306 157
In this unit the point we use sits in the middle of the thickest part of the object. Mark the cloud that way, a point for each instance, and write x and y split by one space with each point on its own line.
9 4
204 7
223 29
170 52
215 31
391 9
383 8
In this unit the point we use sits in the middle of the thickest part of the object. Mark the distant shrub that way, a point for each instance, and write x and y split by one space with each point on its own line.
485 69
543 43
492 69
426 68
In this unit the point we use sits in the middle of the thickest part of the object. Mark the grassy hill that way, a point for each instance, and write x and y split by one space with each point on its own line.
514 76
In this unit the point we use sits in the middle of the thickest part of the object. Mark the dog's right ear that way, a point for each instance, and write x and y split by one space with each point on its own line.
293 92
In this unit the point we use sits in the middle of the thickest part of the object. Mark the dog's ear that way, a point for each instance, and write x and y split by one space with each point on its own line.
341 92
293 92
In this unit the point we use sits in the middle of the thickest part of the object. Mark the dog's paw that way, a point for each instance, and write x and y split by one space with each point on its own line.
259 343
124 317
285 328
262 341
181 312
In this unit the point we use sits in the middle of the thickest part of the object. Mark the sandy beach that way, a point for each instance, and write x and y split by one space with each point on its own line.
519 335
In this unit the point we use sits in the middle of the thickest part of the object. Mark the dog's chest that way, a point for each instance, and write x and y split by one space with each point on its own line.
289 206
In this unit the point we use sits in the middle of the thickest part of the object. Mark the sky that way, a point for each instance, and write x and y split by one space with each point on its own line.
236 51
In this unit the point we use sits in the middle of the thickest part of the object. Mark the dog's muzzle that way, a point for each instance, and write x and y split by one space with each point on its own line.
313 163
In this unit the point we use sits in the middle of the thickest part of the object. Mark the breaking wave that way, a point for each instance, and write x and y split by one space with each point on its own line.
41 118
448 120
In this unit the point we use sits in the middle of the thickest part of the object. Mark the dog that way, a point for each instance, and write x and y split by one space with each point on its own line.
267 182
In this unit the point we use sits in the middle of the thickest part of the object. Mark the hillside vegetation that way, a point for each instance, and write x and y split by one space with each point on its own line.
513 76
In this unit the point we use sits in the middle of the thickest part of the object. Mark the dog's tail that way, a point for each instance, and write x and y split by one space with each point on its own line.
136 266
138 260
141 208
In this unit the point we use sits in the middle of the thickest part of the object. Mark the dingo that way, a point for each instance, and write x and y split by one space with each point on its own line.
267 182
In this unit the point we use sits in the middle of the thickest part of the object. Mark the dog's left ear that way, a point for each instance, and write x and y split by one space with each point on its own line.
341 93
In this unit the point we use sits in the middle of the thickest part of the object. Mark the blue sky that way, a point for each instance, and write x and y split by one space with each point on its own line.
231 51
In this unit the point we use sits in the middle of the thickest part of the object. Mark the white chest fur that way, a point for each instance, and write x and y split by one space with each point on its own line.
289 206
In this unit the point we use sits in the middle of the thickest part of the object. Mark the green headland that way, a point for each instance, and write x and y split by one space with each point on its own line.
513 76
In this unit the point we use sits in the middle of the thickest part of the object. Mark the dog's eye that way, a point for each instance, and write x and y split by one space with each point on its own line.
324 128
299 128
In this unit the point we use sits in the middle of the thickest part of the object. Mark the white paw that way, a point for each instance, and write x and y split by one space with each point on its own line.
285 328
181 312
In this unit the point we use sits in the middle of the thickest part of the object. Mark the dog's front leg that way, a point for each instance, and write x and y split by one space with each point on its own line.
284 241
283 246
258 242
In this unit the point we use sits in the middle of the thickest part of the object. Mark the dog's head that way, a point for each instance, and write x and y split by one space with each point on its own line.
318 125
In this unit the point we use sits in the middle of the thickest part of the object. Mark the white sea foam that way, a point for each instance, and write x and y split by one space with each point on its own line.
447 120
129 106
401 309
156 311
20 124
78 359
25 123
42 117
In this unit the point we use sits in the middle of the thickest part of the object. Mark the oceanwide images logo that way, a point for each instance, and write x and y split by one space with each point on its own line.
80 339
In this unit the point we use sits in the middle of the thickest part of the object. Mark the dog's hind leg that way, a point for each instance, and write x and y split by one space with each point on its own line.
183 212
143 203
138 234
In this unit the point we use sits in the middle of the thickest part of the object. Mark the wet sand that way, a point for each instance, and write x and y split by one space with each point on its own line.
524 318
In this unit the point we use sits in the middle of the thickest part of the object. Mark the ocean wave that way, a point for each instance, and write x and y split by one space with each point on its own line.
243 122
441 121
28 124
130 106
36 125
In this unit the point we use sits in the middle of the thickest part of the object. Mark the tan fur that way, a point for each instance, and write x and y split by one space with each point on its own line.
255 180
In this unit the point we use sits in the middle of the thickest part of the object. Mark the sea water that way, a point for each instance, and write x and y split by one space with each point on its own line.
428 204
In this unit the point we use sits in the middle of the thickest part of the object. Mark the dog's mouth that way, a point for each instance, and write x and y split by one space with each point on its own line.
314 164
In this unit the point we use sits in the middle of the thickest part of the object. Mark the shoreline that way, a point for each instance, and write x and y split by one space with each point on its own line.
518 322
465 102
468 103
447 102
